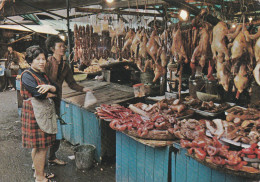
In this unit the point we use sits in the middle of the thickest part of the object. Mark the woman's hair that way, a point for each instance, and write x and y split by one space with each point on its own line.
51 41
32 53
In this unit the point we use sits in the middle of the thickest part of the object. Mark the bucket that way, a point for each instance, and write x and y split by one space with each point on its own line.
84 156
147 77
211 87
196 85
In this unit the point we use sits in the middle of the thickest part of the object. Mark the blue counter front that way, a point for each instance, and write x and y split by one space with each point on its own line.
138 162
82 127
185 169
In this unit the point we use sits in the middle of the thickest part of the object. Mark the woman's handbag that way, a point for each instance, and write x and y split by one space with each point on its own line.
45 114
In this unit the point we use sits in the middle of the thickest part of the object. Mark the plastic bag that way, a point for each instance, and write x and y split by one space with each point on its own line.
90 99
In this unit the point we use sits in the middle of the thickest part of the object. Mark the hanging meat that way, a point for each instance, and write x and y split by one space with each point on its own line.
177 48
142 49
128 39
240 46
201 51
223 74
135 43
159 71
241 79
218 46
257 73
76 43
257 44
153 45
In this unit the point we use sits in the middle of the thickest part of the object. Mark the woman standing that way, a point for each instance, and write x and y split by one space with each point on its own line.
36 87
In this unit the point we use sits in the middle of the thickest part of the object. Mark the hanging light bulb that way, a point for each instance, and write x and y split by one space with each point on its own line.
109 1
184 15
233 25
250 19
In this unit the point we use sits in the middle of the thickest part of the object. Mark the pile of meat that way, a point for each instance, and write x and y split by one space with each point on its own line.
241 125
165 107
125 119
142 117
188 129
214 152
207 106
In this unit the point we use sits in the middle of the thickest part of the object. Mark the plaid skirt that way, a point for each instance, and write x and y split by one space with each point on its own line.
32 135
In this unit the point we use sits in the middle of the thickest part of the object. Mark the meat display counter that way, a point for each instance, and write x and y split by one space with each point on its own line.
83 126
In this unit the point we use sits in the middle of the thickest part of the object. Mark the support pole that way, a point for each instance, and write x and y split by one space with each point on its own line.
69 32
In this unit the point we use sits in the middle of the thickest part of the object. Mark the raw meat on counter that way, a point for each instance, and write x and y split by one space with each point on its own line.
142 117
214 152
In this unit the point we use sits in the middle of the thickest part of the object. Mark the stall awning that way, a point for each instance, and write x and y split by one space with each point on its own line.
45 29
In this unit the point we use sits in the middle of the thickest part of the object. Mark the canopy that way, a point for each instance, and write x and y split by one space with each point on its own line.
46 29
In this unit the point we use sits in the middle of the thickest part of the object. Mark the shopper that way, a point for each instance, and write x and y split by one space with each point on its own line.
37 92
58 71
12 66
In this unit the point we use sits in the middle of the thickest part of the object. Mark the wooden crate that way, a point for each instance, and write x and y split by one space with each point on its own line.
136 162
186 169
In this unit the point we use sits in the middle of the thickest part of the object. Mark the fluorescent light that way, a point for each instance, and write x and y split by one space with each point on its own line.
109 1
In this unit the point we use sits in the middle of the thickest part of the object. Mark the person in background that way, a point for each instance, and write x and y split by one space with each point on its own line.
36 85
12 66
59 71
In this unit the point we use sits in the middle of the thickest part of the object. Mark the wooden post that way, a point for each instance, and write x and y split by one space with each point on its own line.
69 32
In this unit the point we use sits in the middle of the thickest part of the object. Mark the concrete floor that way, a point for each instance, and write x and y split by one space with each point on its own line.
15 161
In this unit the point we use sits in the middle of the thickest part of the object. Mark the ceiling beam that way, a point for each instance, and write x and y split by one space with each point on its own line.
132 3
92 10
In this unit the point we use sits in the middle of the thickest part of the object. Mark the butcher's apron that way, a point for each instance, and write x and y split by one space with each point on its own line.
45 115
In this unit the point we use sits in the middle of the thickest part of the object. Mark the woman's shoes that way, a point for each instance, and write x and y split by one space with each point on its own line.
57 162
47 175
45 180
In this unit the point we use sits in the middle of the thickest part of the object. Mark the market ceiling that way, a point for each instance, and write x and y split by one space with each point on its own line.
229 9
